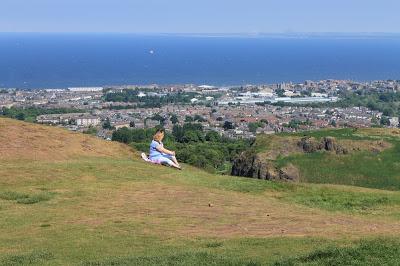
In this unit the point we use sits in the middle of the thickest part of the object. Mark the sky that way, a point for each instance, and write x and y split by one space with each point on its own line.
200 16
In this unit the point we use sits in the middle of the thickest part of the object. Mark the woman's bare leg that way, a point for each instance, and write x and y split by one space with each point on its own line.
177 166
175 160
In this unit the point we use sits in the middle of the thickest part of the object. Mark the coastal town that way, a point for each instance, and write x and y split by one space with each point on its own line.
232 111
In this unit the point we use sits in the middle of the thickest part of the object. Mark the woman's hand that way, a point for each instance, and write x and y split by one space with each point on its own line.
173 153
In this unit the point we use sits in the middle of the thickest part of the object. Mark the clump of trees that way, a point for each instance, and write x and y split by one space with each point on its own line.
205 149
30 113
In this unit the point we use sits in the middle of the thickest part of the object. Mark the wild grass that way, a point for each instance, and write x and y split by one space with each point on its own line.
180 259
367 252
26 198
336 199
32 258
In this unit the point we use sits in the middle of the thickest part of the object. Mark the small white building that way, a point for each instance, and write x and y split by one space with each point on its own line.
87 121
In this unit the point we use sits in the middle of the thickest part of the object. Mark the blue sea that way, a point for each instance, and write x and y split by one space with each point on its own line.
32 60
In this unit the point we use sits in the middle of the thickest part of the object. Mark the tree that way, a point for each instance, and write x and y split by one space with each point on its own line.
20 116
188 119
294 123
199 118
107 124
213 136
159 118
280 92
228 125
385 121
253 126
122 135
91 131
388 111
174 119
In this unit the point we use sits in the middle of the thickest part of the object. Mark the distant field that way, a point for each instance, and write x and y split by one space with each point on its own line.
98 204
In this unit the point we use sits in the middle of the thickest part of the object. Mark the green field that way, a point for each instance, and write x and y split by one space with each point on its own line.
77 200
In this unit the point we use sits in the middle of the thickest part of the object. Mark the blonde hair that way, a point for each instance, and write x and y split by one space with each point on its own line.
159 135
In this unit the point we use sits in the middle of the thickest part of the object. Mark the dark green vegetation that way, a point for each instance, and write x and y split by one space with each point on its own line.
207 150
366 168
151 99
30 113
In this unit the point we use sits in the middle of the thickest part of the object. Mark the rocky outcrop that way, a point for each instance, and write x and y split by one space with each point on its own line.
249 164
309 145
260 166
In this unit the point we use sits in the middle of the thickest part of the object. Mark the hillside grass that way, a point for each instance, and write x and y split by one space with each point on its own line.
358 168
370 252
111 208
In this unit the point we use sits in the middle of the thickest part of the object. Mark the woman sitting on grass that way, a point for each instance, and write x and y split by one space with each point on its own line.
159 154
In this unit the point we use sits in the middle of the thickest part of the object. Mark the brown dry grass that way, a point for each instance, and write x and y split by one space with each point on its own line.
185 211
26 141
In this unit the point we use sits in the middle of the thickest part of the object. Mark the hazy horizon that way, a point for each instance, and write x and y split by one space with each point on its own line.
207 16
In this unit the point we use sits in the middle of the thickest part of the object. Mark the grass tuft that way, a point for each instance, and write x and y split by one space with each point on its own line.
35 257
24 198
12 195
214 244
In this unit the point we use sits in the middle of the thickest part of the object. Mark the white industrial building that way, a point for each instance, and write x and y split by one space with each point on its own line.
86 89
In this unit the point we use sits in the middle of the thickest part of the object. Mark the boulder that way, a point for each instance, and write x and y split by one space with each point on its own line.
310 145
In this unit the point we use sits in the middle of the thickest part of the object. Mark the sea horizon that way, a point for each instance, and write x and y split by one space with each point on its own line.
62 60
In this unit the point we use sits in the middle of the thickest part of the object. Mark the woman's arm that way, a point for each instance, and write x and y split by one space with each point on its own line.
164 150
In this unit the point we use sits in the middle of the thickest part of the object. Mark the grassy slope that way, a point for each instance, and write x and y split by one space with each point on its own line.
73 199
359 168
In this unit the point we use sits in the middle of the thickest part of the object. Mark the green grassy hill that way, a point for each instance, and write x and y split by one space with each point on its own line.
72 199
371 158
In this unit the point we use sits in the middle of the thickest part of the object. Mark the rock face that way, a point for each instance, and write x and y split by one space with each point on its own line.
309 145
249 164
